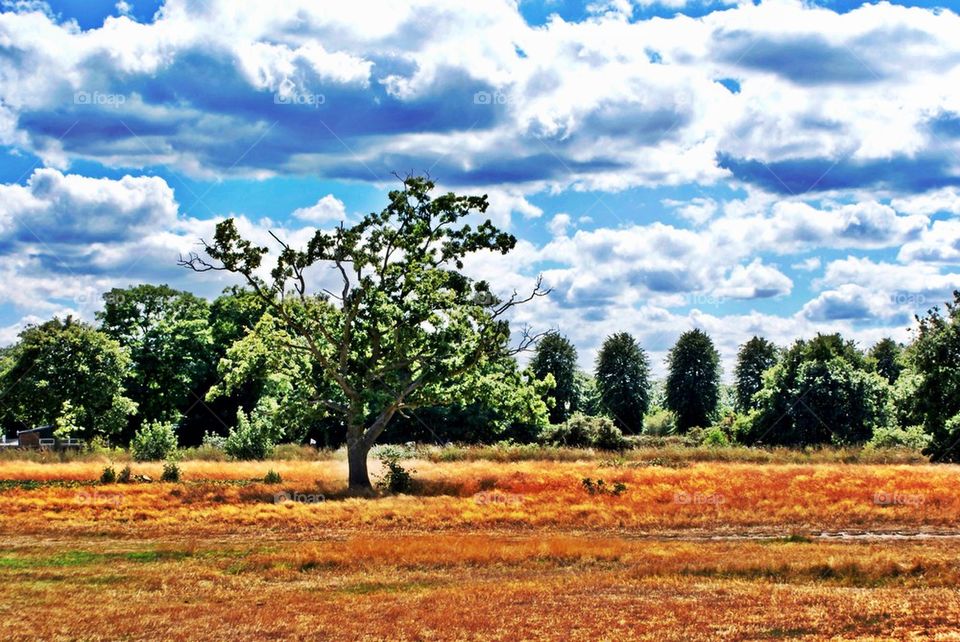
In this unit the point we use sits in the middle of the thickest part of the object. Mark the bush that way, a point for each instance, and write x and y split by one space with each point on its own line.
660 423
581 431
124 477
715 438
396 478
607 436
214 441
171 472
250 438
108 476
913 437
272 477
153 442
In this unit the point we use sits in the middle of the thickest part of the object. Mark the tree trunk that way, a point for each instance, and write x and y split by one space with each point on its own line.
357 451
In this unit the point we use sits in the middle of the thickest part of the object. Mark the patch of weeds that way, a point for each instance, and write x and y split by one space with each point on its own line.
600 487
396 478
272 477
108 476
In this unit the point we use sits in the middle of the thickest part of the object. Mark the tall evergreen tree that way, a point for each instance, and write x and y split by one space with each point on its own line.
885 356
556 356
622 376
756 356
693 382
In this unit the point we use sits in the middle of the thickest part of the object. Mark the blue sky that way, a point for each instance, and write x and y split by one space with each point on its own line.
757 167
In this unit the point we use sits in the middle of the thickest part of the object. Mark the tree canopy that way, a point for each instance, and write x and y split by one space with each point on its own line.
622 376
755 357
69 375
555 356
693 380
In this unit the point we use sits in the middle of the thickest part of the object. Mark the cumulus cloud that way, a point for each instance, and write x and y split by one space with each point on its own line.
328 209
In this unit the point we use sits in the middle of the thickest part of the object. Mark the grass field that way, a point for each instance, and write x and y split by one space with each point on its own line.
483 550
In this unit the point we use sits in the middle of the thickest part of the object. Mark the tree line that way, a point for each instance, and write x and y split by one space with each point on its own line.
405 347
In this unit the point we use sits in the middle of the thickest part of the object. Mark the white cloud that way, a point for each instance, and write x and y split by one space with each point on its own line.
328 209
558 224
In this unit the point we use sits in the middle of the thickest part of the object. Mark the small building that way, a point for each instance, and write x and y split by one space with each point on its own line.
42 437
35 437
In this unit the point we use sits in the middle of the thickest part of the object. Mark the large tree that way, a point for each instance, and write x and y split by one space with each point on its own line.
403 326
67 374
167 332
755 357
693 379
821 391
622 375
885 357
556 356
934 359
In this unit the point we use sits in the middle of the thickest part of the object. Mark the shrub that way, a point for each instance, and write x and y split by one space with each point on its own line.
125 473
913 437
581 431
660 423
153 442
171 472
250 438
272 477
214 441
108 476
715 438
396 478
607 436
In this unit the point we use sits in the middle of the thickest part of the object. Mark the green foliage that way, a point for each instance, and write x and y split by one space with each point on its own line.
171 472
272 477
622 374
934 359
251 438
660 423
556 356
66 374
885 358
913 437
168 335
715 438
755 357
396 478
581 431
287 384
154 441
820 392
108 476
693 382
214 441
125 474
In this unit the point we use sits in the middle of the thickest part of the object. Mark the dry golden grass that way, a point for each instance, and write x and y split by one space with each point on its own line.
484 550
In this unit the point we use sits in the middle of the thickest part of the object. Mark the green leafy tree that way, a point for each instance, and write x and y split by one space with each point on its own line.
885 356
622 376
403 325
168 335
556 356
934 360
693 380
154 441
69 375
821 391
755 357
